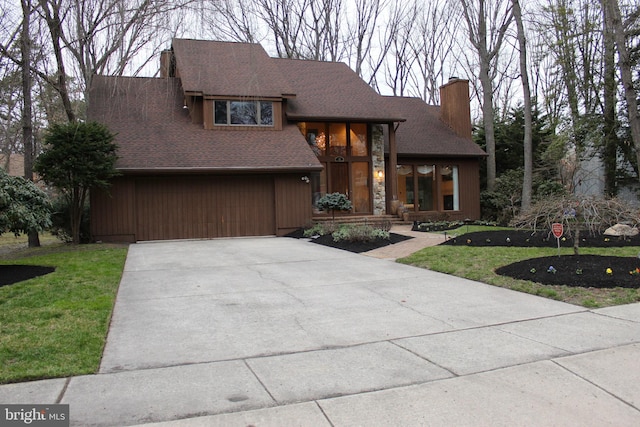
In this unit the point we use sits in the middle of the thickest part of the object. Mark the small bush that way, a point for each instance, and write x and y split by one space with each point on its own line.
320 229
334 202
359 233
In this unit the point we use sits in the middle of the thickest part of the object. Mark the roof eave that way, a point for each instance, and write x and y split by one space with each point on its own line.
448 155
300 118
220 170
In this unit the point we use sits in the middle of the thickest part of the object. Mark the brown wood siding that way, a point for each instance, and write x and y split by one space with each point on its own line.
207 112
293 203
454 107
113 212
204 207
194 104
468 186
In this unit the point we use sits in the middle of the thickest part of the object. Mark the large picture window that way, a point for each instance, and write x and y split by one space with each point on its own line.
429 187
344 150
243 113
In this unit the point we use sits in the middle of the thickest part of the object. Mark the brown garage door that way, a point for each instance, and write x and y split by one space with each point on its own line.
191 207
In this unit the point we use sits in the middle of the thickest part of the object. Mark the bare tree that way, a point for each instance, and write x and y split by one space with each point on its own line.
486 29
233 20
285 20
10 110
432 44
527 186
322 35
387 32
361 30
624 63
399 68
27 113
50 10
610 140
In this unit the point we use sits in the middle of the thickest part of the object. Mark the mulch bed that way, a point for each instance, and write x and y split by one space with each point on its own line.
587 271
10 274
359 247
569 270
539 239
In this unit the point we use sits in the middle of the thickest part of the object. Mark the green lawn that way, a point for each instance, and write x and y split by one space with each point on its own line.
479 263
56 325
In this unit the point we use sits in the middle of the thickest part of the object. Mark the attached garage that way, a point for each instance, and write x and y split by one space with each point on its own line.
141 208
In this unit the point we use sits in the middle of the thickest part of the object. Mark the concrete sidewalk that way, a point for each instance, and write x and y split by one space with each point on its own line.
278 331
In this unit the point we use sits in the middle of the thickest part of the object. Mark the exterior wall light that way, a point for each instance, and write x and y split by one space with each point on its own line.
380 174
305 179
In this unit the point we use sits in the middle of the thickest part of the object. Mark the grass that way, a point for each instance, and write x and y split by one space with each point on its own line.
56 325
480 264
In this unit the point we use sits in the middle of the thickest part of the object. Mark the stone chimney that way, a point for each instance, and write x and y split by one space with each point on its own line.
455 110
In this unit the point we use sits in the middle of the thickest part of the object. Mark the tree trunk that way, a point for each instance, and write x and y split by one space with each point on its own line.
489 131
624 63
478 36
54 23
27 114
527 185
610 140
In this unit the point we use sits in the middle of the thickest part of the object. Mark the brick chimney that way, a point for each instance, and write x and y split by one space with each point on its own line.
455 110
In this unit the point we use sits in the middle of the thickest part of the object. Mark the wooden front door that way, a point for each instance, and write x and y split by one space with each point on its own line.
339 178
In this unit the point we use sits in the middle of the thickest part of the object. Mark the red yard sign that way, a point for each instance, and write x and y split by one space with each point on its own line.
557 229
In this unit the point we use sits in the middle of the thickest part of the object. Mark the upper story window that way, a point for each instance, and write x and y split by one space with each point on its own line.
243 113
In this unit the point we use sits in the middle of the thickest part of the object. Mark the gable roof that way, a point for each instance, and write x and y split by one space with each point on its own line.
425 134
331 91
228 69
154 133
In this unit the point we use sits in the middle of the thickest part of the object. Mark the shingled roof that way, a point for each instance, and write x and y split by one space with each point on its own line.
425 134
228 69
155 133
332 91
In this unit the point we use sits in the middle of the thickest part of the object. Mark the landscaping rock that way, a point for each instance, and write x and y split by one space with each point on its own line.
621 230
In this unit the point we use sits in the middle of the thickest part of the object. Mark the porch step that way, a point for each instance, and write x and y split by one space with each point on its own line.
374 220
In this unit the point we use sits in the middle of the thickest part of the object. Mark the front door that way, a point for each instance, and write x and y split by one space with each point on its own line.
339 177
344 150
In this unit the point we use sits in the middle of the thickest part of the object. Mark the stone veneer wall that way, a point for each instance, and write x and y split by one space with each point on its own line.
377 156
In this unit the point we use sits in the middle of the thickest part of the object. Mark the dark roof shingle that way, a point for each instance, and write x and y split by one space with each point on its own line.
228 69
425 134
154 132
331 91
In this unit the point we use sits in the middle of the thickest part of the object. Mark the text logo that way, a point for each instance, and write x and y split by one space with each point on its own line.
34 415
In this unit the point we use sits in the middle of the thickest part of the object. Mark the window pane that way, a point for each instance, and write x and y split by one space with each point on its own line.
449 188
243 113
361 190
425 188
318 188
220 108
405 185
316 138
266 113
359 139
338 139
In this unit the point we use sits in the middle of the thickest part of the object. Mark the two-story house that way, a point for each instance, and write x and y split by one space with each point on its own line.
231 142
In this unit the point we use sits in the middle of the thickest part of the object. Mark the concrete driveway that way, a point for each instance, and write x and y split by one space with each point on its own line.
278 331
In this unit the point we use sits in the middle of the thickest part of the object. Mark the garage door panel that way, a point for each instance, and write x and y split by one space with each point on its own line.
191 207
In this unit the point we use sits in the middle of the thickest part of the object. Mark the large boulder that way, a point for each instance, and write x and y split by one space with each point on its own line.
622 230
